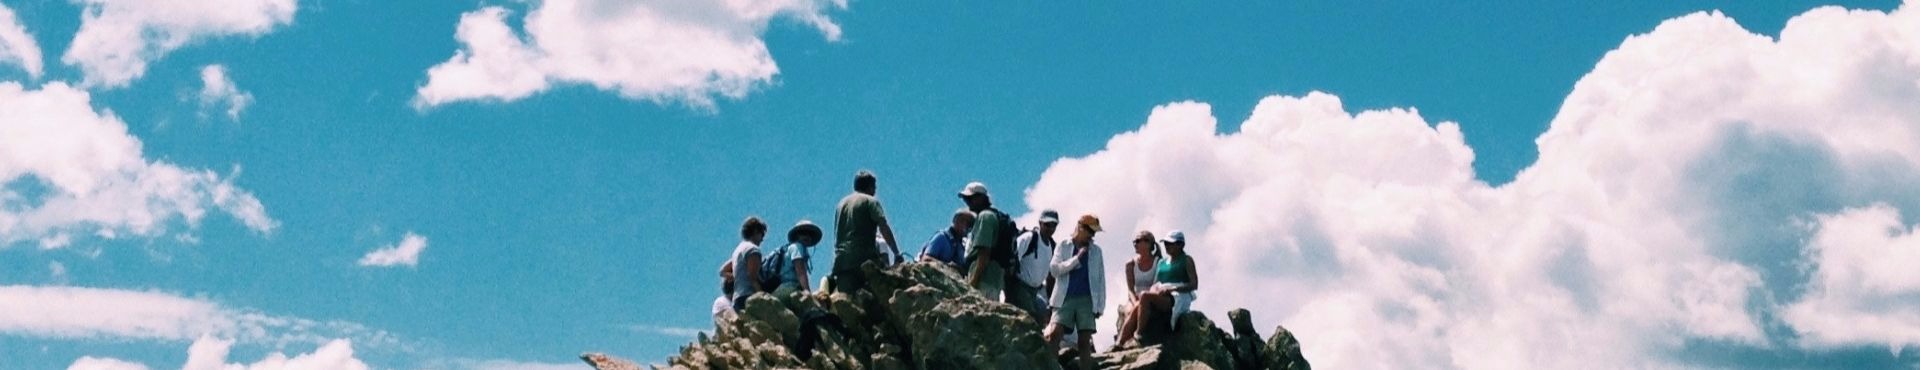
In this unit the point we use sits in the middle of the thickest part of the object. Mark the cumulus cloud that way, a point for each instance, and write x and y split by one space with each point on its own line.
118 38
210 353
16 45
91 313
99 363
1864 285
657 50
406 252
1703 184
66 169
218 91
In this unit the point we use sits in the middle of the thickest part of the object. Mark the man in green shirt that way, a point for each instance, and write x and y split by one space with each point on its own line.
985 274
855 221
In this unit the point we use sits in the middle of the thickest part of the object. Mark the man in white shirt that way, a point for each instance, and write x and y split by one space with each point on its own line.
1030 292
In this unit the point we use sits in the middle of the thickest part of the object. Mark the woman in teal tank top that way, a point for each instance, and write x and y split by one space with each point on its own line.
1172 293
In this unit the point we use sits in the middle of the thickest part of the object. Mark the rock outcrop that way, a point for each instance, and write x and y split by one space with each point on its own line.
922 316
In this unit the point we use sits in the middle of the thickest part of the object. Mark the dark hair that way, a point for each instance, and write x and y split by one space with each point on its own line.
752 226
864 180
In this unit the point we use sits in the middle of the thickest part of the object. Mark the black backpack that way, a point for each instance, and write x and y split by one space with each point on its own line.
1006 252
770 268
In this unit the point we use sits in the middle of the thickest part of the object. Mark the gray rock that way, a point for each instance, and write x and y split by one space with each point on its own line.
923 316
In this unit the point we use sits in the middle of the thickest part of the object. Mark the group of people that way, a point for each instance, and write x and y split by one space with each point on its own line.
1059 283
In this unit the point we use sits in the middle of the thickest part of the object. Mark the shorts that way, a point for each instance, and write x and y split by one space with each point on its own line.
992 281
1182 302
1076 313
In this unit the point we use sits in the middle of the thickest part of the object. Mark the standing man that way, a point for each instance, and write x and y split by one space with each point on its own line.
984 271
855 222
1031 292
1080 295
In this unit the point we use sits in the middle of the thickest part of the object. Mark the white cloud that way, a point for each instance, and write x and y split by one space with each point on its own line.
1668 208
512 365
660 50
406 252
16 45
118 38
94 313
209 353
216 91
1864 283
97 363
88 175
670 331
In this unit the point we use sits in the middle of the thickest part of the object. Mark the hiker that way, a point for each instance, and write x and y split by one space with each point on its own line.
889 255
723 305
1080 294
946 247
746 261
1176 280
797 258
1139 271
1032 289
986 270
855 221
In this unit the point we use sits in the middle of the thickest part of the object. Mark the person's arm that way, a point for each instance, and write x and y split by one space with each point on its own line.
1062 267
983 232
753 272
1193 280
886 229
1131 292
800 274
726 271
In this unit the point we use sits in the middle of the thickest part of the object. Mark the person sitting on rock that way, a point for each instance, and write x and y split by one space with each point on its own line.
947 246
746 261
1079 270
798 255
1173 293
1139 270
723 305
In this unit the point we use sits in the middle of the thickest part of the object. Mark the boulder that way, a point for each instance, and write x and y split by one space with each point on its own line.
1283 351
1197 339
1249 351
923 316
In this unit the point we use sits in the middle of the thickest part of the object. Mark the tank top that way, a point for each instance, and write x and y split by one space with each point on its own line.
1173 269
1141 279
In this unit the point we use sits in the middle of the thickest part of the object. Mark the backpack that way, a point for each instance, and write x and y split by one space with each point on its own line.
771 266
1005 250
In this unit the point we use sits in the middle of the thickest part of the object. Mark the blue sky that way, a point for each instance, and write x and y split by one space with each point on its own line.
579 218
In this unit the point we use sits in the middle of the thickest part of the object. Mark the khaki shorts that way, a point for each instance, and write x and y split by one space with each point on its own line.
1076 313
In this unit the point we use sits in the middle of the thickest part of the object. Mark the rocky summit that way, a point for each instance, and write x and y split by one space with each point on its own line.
925 317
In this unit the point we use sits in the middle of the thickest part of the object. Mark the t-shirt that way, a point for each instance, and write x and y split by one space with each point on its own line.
986 229
1077 284
1033 268
944 247
855 222
796 253
743 284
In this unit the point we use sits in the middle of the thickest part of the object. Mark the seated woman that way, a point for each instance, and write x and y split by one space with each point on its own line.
799 255
1173 293
1146 253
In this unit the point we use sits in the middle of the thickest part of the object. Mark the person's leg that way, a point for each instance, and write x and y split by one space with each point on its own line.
1086 347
